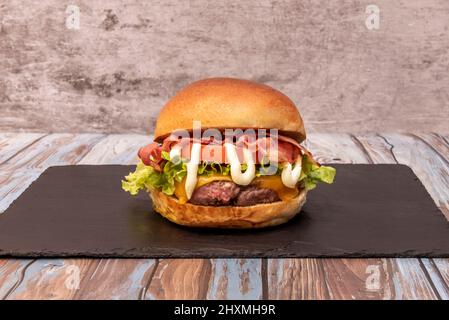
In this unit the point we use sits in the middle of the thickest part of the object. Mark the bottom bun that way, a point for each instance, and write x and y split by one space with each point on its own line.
257 216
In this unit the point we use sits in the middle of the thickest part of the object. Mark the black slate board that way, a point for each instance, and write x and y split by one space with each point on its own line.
370 211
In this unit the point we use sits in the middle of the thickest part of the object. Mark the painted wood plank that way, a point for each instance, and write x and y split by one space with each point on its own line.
20 171
210 290
336 148
84 279
438 269
214 279
99 279
11 143
436 142
386 150
296 279
322 278
54 279
437 272
442 266
429 166
53 150
11 274
347 279
180 279
358 278
411 281
344 148
117 149
117 279
236 279
16 175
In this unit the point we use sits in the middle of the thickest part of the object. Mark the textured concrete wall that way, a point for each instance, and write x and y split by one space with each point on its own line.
129 57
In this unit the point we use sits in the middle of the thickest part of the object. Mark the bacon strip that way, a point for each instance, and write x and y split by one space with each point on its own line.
288 150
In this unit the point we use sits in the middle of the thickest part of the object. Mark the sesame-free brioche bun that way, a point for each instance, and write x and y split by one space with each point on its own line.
256 216
230 103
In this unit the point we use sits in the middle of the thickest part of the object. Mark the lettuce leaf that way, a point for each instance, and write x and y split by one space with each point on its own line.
313 173
145 177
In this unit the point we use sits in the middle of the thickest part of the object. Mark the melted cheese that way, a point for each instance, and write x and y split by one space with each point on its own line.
290 176
239 177
275 183
180 191
203 180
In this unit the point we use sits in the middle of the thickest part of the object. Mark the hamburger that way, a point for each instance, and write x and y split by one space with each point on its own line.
227 153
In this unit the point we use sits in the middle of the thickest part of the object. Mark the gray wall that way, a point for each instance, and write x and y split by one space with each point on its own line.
129 57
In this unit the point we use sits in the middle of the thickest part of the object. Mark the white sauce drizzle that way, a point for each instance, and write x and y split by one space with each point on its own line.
175 154
192 169
290 176
237 175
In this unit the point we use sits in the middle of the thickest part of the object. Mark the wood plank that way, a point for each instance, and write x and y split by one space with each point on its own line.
322 278
437 269
358 278
442 266
353 273
411 281
20 171
53 150
117 279
84 279
180 279
336 148
215 278
213 287
236 279
117 149
436 142
98 278
438 272
11 274
297 279
329 279
11 143
430 167
51 279
414 152
16 175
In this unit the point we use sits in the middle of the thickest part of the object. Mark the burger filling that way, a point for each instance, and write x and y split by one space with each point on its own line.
226 174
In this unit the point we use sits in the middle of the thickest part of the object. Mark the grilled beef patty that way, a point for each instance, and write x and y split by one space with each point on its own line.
216 193
224 193
253 195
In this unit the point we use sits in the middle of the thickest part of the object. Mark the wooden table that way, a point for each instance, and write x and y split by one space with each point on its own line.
23 156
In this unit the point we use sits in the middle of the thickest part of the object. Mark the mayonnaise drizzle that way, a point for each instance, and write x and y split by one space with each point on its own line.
192 169
290 176
175 154
237 175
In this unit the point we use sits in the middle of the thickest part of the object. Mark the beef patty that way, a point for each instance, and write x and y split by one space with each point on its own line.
216 193
254 195
223 193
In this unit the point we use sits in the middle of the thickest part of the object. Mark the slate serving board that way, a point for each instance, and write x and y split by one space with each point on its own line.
81 211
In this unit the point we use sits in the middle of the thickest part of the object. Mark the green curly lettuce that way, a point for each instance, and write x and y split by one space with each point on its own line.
313 173
145 177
